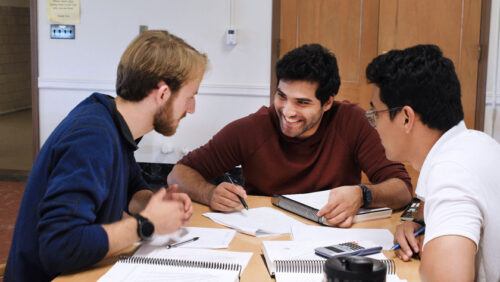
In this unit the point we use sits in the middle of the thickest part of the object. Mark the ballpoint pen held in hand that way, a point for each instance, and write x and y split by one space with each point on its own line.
418 232
243 202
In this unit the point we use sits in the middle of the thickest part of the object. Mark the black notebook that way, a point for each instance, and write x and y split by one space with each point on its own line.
308 204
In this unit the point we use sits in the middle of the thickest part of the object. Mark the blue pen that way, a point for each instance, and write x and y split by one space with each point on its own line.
419 232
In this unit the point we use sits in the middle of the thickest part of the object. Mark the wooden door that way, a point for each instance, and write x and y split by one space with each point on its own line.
348 28
453 25
357 30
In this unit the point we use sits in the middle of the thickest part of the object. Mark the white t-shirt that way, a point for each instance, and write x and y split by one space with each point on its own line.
460 184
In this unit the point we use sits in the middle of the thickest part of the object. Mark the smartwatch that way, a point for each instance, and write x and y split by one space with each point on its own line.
145 228
367 195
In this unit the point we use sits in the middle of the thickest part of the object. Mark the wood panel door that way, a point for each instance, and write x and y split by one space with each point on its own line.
453 25
347 27
358 30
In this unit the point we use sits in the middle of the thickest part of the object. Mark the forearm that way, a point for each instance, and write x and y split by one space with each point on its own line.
139 201
192 183
391 193
121 234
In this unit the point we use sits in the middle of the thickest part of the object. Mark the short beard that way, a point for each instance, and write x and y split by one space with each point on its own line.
163 121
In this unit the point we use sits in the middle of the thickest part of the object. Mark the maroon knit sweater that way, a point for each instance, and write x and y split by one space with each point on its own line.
344 145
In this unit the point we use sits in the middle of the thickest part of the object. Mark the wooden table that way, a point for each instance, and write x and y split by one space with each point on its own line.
256 269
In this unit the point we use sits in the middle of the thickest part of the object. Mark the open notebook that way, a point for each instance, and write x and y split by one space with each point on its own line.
152 264
257 221
296 261
308 204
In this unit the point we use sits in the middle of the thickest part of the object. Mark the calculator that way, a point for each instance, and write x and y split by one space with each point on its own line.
348 248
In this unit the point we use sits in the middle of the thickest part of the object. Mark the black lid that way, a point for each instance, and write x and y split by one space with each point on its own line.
347 268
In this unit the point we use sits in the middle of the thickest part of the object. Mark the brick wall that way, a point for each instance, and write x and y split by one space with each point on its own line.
15 89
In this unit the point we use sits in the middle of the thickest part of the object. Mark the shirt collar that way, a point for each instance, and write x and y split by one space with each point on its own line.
120 122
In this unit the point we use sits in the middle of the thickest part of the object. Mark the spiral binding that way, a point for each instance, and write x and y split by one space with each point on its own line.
391 266
316 266
181 263
300 266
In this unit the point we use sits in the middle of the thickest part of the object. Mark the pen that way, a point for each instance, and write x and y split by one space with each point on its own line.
243 202
168 246
419 232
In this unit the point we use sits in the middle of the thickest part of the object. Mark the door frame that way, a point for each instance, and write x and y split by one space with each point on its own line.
34 76
482 64
482 71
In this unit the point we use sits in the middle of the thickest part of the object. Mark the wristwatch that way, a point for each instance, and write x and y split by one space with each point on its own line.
145 228
367 195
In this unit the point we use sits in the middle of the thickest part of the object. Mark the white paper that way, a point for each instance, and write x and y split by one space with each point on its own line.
257 221
209 238
319 199
315 200
382 237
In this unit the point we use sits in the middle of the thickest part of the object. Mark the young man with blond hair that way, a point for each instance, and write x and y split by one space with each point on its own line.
86 176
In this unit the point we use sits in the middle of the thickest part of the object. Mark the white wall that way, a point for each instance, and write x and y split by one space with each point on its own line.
237 83
492 108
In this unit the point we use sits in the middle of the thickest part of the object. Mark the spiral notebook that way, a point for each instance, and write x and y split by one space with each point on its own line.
152 264
296 261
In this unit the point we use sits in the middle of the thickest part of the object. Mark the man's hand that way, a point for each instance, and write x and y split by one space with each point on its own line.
224 197
343 204
405 238
166 214
173 195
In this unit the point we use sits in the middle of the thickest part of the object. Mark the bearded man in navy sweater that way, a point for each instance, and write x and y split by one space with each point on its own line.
86 176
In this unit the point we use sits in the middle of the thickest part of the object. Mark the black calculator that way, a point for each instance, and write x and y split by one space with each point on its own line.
410 212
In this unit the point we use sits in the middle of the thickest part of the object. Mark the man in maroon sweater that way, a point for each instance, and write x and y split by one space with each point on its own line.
305 142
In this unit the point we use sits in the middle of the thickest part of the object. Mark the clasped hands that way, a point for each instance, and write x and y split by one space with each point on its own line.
168 210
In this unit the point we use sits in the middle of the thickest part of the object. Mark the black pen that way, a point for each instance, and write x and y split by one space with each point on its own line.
168 246
243 202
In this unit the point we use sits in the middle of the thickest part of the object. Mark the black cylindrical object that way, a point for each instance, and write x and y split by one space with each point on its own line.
354 268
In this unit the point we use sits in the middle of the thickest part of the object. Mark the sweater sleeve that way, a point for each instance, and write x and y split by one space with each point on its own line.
137 181
69 237
370 153
222 153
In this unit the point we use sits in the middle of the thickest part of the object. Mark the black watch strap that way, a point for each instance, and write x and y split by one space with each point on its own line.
367 195
145 227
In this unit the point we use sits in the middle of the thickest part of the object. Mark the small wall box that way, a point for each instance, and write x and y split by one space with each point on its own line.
59 31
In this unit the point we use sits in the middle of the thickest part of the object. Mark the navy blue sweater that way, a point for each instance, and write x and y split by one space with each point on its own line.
84 176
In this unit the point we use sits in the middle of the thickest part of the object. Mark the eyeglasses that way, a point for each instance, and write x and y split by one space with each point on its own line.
372 115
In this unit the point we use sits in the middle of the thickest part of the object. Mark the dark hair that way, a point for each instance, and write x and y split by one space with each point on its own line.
154 56
312 63
419 77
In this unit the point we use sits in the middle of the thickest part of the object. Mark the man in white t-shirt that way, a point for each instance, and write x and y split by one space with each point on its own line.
418 113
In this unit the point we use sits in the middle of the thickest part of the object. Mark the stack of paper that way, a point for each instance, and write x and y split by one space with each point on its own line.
382 237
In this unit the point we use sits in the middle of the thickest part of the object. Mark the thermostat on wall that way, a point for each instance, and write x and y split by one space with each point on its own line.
231 36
